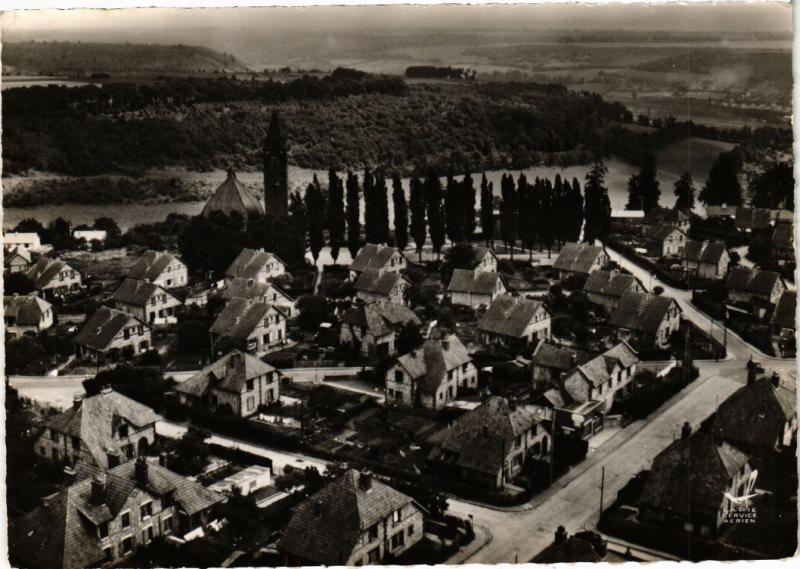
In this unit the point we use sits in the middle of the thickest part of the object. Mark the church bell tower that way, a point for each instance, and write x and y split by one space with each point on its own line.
276 172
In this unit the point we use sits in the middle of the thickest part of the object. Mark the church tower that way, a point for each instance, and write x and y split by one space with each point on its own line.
276 172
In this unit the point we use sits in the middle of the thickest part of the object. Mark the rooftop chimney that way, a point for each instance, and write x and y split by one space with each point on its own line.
316 508
561 535
365 480
77 399
686 431
140 471
445 344
98 489
162 459
775 379
106 390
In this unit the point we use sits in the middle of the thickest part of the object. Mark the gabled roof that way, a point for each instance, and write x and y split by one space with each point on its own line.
783 235
756 414
45 270
598 370
577 257
559 357
26 310
230 373
753 281
704 251
510 315
660 231
700 469
377 282
480 253
610 283
380 319
785 314
252 289
666 215
249 262
93 421
327 527
20 252
150 265
430 363
241 317
641 311
231 196
573 550
103 326
136 292
753 218
372 256
473 282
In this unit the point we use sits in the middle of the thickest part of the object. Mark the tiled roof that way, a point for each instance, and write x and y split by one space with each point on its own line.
136 292
240 318
783 236
597 371
430 363
699 469
249 262
481 438
464 280
480 253
380 319
577 257
785 314
640 311
753 218
326 528
510 315
230 372
704 251
94 420
754 281
559 357
251 289
25 310
103 326
756 414
45 270
372 256
22 253
150 265
610 283
231 196
660 231
377 282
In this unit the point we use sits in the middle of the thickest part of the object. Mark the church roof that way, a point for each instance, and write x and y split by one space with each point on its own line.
232 196
274 133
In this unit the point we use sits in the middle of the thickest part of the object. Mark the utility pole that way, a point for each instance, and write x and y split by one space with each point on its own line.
686 364
602 490
552 444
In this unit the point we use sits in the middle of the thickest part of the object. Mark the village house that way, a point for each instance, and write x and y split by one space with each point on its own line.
239 382
28 242
381 286
579 259
784 324
583 547
514 322
103 430
646 320
381 258
675 217
749 219
255 265
160 268
253 327
484 260
373 328
90 236
550 362
17 261
26 314
53 277
705 260
475 288
665 240
110 334
783 242
432 375
231 197
606 288
490 444
759 290
254 290
688 485
104 516
353 521
146 301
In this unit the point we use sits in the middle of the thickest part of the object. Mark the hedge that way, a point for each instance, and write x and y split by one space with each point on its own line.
629 253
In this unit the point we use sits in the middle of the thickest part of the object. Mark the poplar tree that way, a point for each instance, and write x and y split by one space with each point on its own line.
435 208
315 212
684 192
648 183
297 211
382 209
575 205
417 206
468 193
335 217
487 210
546 215
400 212
597 206
635 201
353 214
371 209
508 212
454 209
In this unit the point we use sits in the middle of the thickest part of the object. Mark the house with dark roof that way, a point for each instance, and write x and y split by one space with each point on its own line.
53 277
752 218
104 516
381 258
355 520
373 328
579 259
484 260
110 334
705 259
675 217
755 288
693 484
237 381
606 288
490 444
257 291
160 268
783 242
381 286
646 320
583 547
146 301
253 327
550 362
255 265
231 197
26 314
104 430
514 322
432 375
475 288
784 319
17 261
665 240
